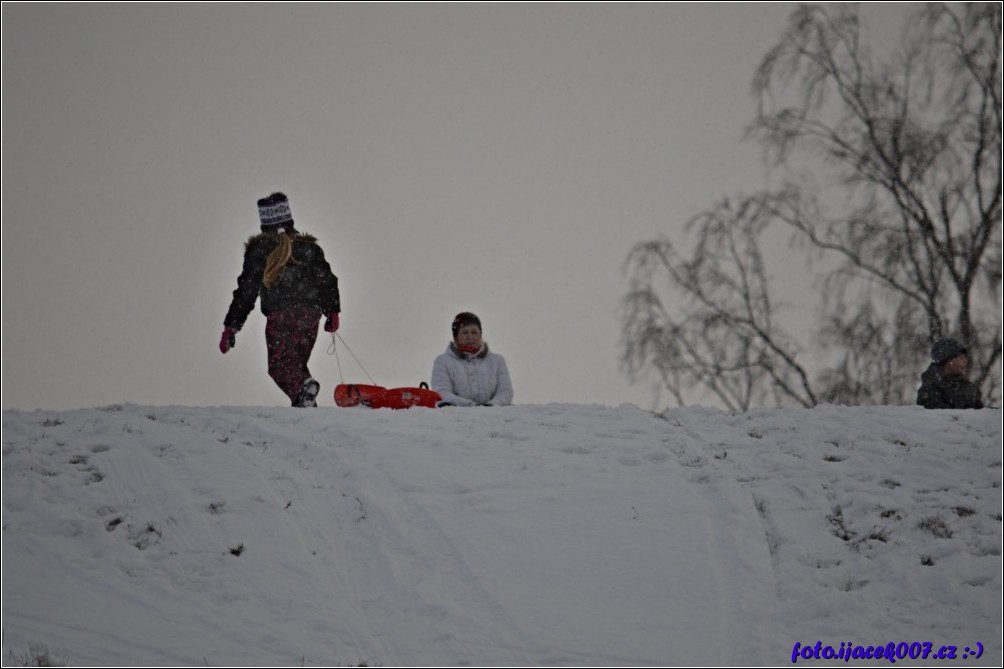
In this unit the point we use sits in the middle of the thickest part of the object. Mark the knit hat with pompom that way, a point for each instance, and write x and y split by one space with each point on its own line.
274 213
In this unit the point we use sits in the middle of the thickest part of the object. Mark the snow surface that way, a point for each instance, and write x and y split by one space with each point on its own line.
528 535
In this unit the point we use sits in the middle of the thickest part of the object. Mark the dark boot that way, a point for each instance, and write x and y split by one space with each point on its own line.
308 394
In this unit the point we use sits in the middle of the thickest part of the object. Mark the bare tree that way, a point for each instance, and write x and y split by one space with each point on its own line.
892 182
725 339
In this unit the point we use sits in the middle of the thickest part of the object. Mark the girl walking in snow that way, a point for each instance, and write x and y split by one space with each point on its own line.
468 374
288 271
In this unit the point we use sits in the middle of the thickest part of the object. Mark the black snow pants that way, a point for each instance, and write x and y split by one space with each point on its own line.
290 335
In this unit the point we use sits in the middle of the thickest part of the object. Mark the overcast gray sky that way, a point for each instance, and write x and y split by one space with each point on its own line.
497 158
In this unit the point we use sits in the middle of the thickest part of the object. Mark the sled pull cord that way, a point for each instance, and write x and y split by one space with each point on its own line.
333 350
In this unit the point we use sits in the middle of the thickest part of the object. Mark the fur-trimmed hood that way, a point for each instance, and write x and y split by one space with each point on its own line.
272 237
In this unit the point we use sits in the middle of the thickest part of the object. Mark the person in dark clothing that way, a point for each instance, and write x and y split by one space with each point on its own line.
288 271
944 384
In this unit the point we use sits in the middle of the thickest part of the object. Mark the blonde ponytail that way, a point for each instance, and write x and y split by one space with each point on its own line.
278 259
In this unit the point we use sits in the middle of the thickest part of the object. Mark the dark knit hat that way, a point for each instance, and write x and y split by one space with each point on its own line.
946 349
462 319
274 212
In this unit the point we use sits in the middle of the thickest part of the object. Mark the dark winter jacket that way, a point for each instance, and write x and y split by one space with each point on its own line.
307 279
938 391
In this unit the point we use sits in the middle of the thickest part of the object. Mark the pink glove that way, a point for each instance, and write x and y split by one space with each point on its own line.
228 340
331 325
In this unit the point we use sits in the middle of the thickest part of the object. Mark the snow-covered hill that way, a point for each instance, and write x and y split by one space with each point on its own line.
529 535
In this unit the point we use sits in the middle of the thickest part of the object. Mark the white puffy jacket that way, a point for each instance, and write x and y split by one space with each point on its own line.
467 379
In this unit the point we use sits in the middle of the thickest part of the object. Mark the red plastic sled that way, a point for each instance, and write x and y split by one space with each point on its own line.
378 397
354 394
405 398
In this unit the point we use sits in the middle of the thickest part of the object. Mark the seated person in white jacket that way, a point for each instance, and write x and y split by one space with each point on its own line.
468 374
